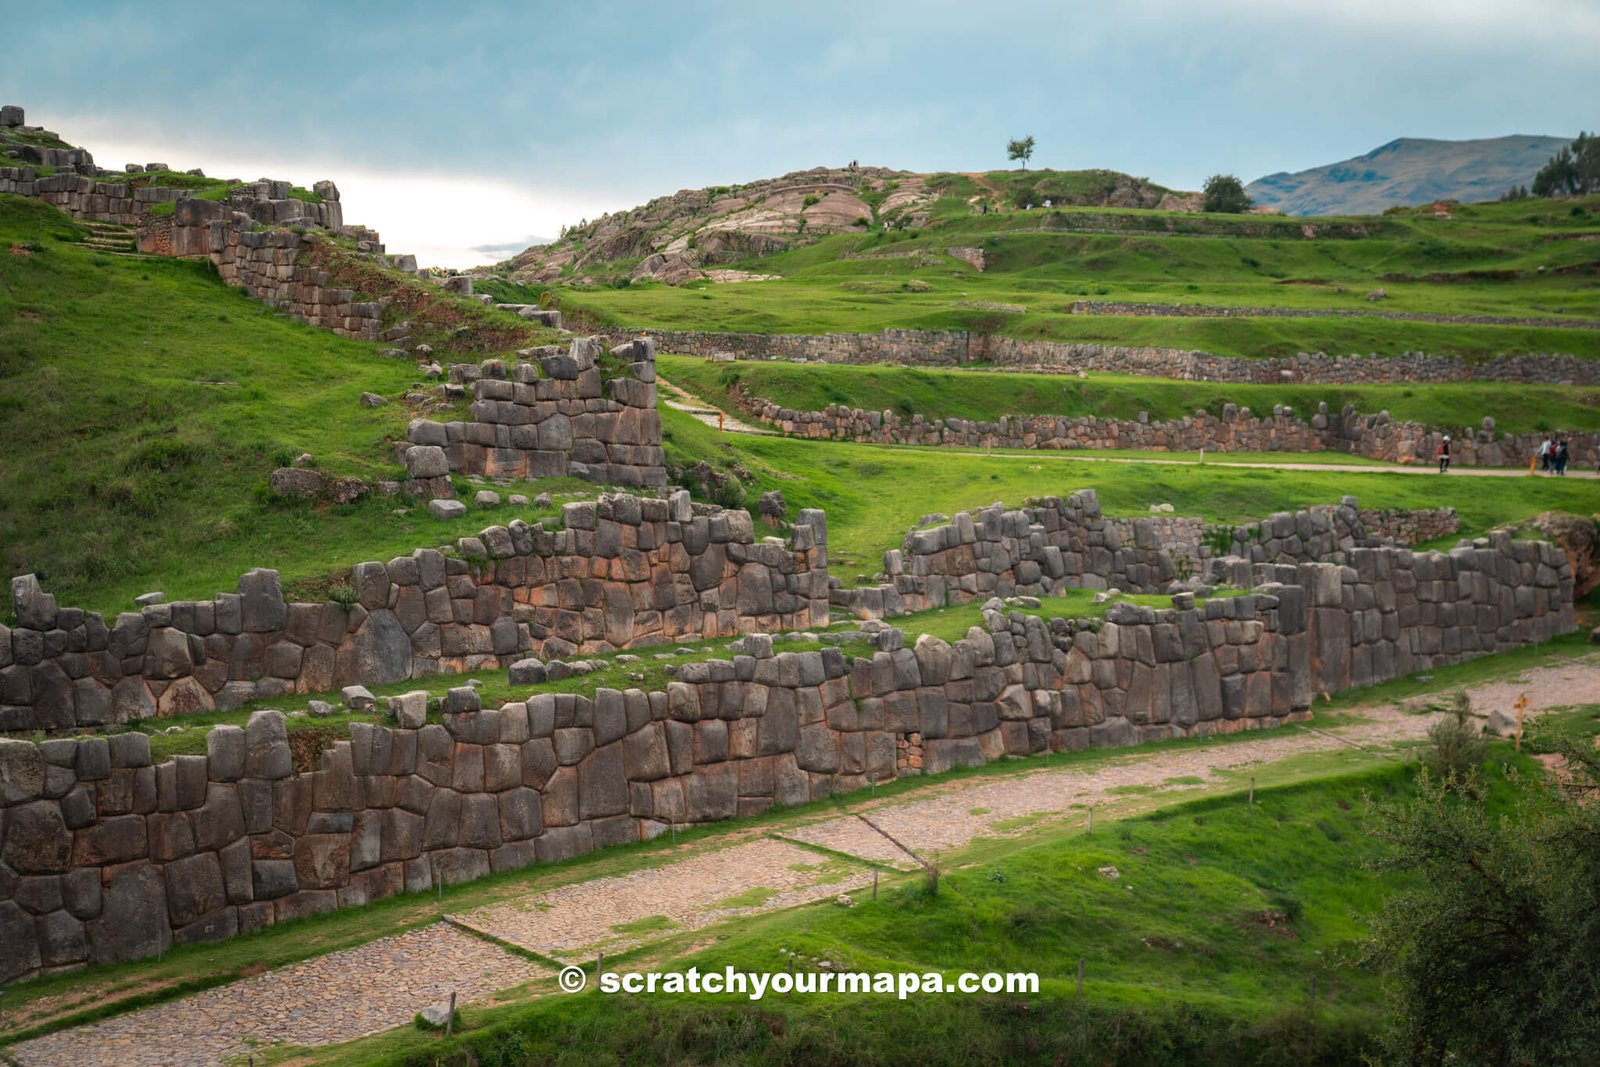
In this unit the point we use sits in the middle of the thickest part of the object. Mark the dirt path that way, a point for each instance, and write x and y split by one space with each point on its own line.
713 416
380 985
689 404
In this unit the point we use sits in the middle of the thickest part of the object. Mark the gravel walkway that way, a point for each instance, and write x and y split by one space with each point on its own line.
577 920
338 997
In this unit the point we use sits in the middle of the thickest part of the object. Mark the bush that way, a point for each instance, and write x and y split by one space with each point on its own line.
1456 746
1224 194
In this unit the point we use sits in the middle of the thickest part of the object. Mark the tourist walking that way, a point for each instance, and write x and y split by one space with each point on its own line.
1444 454
1562 455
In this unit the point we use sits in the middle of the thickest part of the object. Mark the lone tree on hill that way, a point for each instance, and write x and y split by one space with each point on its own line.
1224 195
1573 171
1021 149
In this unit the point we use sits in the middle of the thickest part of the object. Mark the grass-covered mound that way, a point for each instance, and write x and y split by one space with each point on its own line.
985 395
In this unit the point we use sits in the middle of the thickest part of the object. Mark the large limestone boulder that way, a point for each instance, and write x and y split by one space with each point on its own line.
1580 538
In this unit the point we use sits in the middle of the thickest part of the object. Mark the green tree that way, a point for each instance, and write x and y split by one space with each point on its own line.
1020 149
1224 194
1573 171
1493 955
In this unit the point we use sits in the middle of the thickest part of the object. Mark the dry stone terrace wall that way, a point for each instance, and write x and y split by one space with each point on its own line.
84 196
266 263
1235 430
552 415
937 348
1058 544
106 857
1204 311
623 572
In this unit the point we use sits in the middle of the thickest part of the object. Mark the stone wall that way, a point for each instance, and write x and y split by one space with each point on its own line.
1055 544
1237 429
1203 311
939 348
581 413
84 197
108 858
127 202
267 262
623 572
1410 526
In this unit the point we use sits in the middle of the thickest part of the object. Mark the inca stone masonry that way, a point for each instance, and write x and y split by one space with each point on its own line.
108 857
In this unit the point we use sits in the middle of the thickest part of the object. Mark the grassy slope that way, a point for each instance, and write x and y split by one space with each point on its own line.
845 282
983 395
1201 951
143 405
874 494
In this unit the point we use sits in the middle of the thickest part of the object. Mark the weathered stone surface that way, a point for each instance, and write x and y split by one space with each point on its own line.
36 838
133 916
227 751
410 710
261 602
21 771
379 653
21 956
194 887
267 746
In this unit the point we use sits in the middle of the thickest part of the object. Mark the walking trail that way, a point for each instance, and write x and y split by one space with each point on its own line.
714 417
382 984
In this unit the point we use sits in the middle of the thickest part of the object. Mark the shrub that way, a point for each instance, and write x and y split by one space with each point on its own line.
1224 194
1456 746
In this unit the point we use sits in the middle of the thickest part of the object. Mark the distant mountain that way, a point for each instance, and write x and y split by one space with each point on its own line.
1408 171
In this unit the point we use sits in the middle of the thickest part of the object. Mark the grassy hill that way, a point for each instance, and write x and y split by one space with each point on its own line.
1530 259
143 407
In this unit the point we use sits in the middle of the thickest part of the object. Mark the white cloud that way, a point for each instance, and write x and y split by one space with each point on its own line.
444 220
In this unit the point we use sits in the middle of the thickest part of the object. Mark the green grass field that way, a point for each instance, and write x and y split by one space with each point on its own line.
983 395
143 407
1521 260
874 494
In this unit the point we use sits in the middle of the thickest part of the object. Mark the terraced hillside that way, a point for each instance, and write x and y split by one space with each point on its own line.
144 405
1466 280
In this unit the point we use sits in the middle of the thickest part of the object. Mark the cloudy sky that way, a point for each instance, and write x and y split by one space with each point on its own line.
462 130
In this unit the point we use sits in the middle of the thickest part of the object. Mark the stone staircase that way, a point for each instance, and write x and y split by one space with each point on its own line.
110 237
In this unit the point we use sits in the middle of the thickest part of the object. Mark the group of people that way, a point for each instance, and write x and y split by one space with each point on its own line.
1553 456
